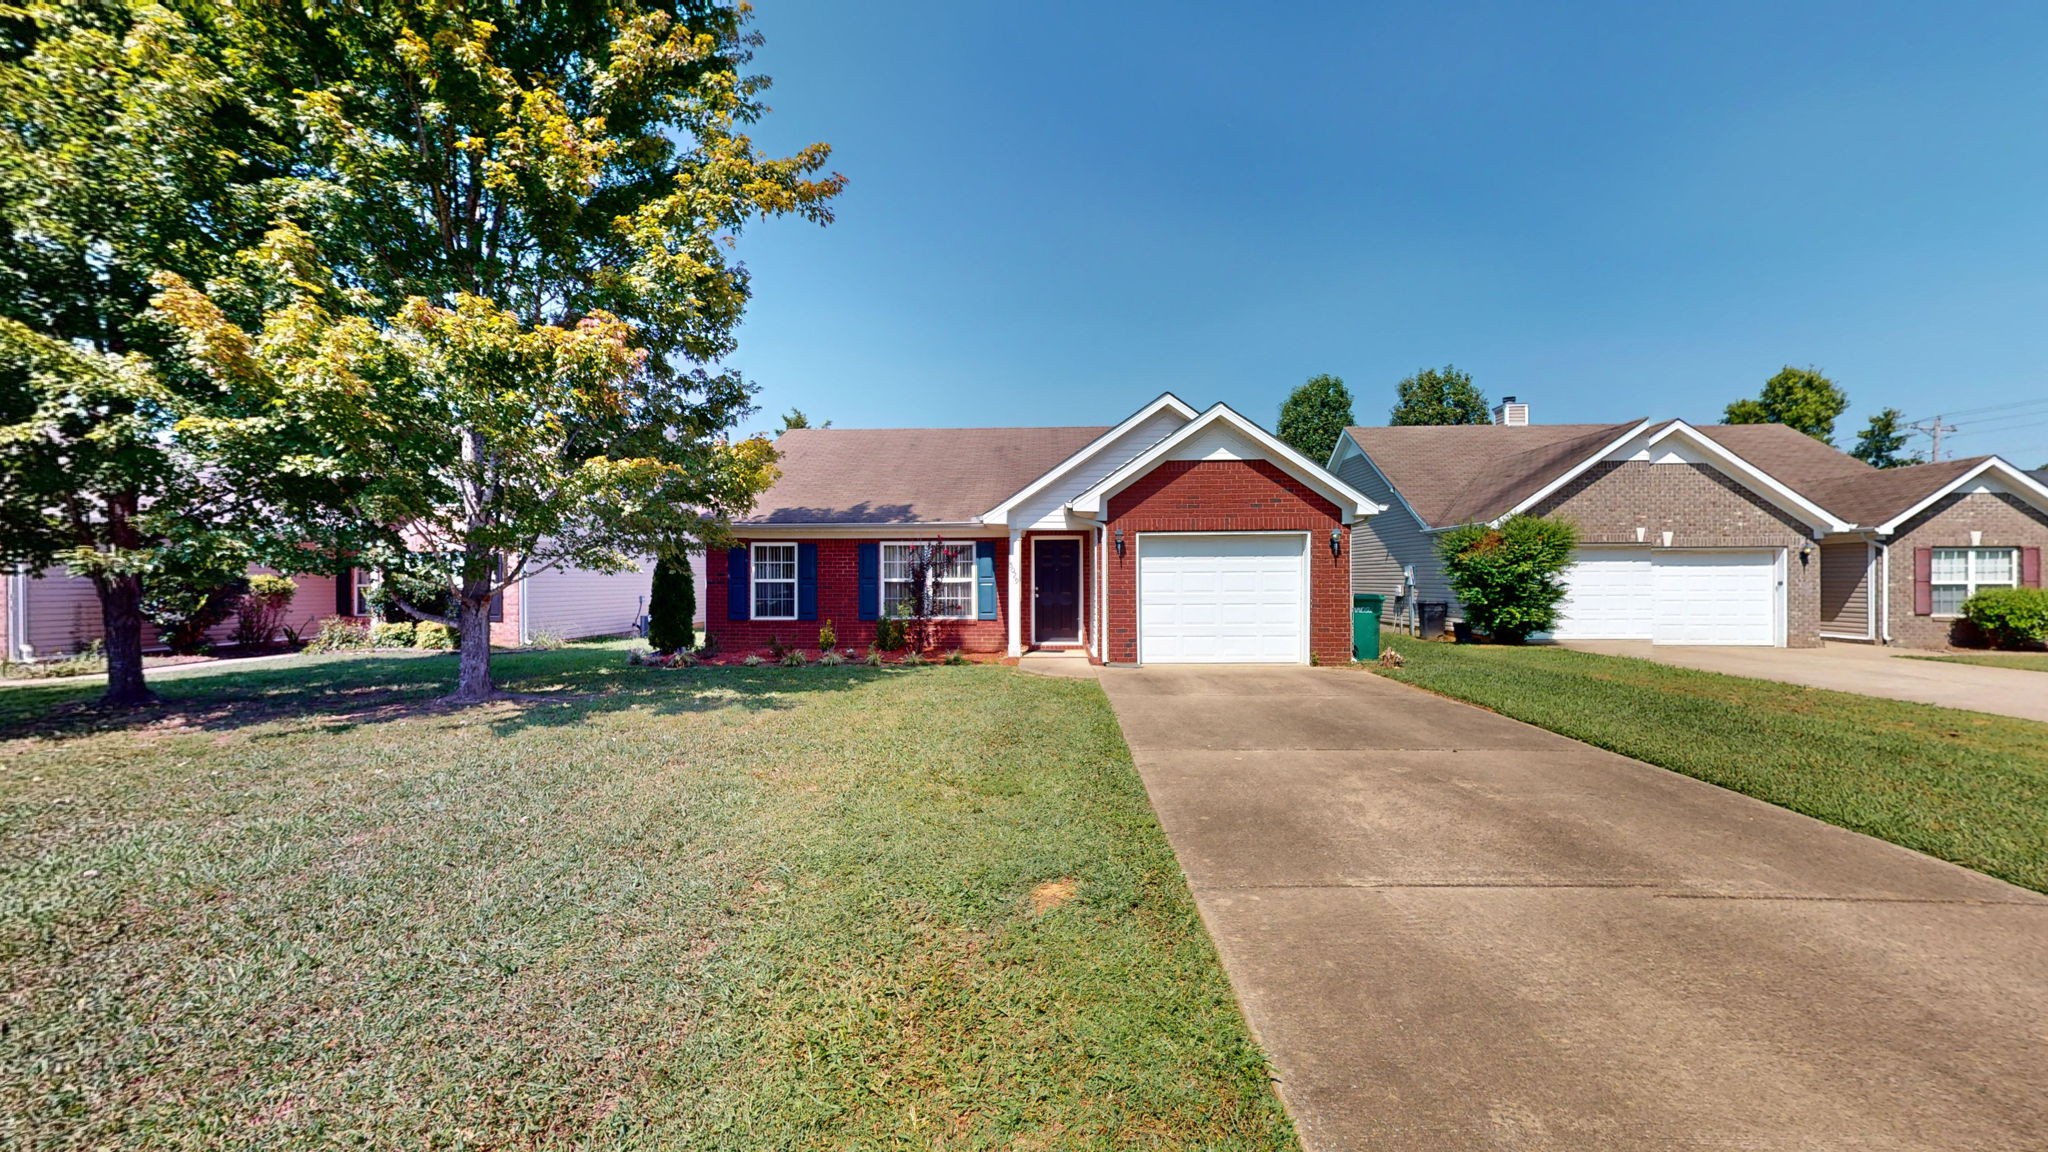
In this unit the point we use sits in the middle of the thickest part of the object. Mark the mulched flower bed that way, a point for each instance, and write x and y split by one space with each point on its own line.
811 655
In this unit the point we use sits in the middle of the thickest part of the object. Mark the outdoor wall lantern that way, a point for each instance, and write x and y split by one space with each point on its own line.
1336 541
1805 553
1119 543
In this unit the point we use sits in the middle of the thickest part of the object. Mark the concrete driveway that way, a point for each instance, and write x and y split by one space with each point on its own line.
1451 930
1866 669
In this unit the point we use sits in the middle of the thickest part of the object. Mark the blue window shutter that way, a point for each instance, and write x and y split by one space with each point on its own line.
738 589
870 580
807 581
985 579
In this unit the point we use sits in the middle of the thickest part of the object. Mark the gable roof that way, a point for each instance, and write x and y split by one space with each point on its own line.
1432 468
1165 401
1878 494
1350 501
907 475
1432 465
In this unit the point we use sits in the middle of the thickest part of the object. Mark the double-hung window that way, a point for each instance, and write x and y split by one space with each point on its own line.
774 576
361 581
952 581
1960 572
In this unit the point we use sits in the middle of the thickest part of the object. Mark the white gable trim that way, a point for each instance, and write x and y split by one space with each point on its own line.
1349 500
1000 514
2023 485
1573 473
1751 476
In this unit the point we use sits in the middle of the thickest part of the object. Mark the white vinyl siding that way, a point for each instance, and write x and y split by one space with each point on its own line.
1047 510
62 613
952 584
1382 545
774 579
577 602
1960 572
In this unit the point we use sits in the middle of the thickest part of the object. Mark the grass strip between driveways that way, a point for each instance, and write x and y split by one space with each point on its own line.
1964 786
303 906
2029 661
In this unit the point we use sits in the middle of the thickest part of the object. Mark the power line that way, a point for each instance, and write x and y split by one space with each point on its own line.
2003 428
1989 408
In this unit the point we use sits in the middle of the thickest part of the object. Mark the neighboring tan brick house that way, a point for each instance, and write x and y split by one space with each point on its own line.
1715 534
1175 536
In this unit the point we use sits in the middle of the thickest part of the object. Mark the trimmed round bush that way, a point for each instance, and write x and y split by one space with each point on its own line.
2010 617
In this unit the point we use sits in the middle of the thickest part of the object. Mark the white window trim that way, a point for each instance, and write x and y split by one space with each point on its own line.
754 580
972 580
361 581
1971 585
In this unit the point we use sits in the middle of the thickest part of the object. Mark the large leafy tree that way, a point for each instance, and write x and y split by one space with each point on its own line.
1882 443
1799 398
492 311
1440 396
120 155
1315 415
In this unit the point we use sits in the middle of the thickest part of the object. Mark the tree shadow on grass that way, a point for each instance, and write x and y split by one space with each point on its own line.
340 693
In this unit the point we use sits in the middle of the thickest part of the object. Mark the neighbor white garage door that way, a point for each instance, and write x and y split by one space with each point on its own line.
1671 597
1715 597
1607 597
1222 599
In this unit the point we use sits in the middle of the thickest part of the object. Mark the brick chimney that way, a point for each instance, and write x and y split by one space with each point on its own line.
1511 414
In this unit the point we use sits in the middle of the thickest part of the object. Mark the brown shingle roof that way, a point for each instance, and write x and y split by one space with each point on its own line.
1464 474
1879 494
1470 473
907 475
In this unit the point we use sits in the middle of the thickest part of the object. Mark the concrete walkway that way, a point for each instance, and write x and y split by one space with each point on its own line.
1866 669
1452 930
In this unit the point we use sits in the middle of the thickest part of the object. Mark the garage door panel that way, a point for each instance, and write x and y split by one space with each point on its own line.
1671 597
1723 598
1221 598
1607 596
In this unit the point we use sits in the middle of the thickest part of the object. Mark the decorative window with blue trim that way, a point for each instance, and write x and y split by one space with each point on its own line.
952 583
774 577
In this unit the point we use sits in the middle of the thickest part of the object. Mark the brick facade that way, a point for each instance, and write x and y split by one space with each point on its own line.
1702 508
839 602
1230 496
2005 521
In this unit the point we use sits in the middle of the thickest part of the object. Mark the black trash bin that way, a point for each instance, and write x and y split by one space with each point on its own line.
1433 614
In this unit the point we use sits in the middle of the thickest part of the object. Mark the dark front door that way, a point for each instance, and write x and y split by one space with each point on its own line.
1056 591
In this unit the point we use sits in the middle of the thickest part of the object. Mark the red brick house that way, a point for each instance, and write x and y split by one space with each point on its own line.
1176 536
1712 534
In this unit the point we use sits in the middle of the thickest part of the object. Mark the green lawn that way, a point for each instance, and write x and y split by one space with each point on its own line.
1964 786
303 906
2031 661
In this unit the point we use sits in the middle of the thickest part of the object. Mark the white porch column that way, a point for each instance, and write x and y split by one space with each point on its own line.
1014 615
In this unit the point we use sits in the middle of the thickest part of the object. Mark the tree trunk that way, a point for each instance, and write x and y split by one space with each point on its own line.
473 675
121 619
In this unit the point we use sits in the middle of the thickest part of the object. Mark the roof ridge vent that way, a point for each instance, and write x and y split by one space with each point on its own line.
1510 414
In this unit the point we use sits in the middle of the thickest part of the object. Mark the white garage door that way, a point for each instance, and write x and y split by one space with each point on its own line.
1607 597
1716 598
1222 599
1671 597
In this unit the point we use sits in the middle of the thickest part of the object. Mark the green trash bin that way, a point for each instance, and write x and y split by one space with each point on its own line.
1365 625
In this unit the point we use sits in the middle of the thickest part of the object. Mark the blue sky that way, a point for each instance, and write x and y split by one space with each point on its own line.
1059 210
